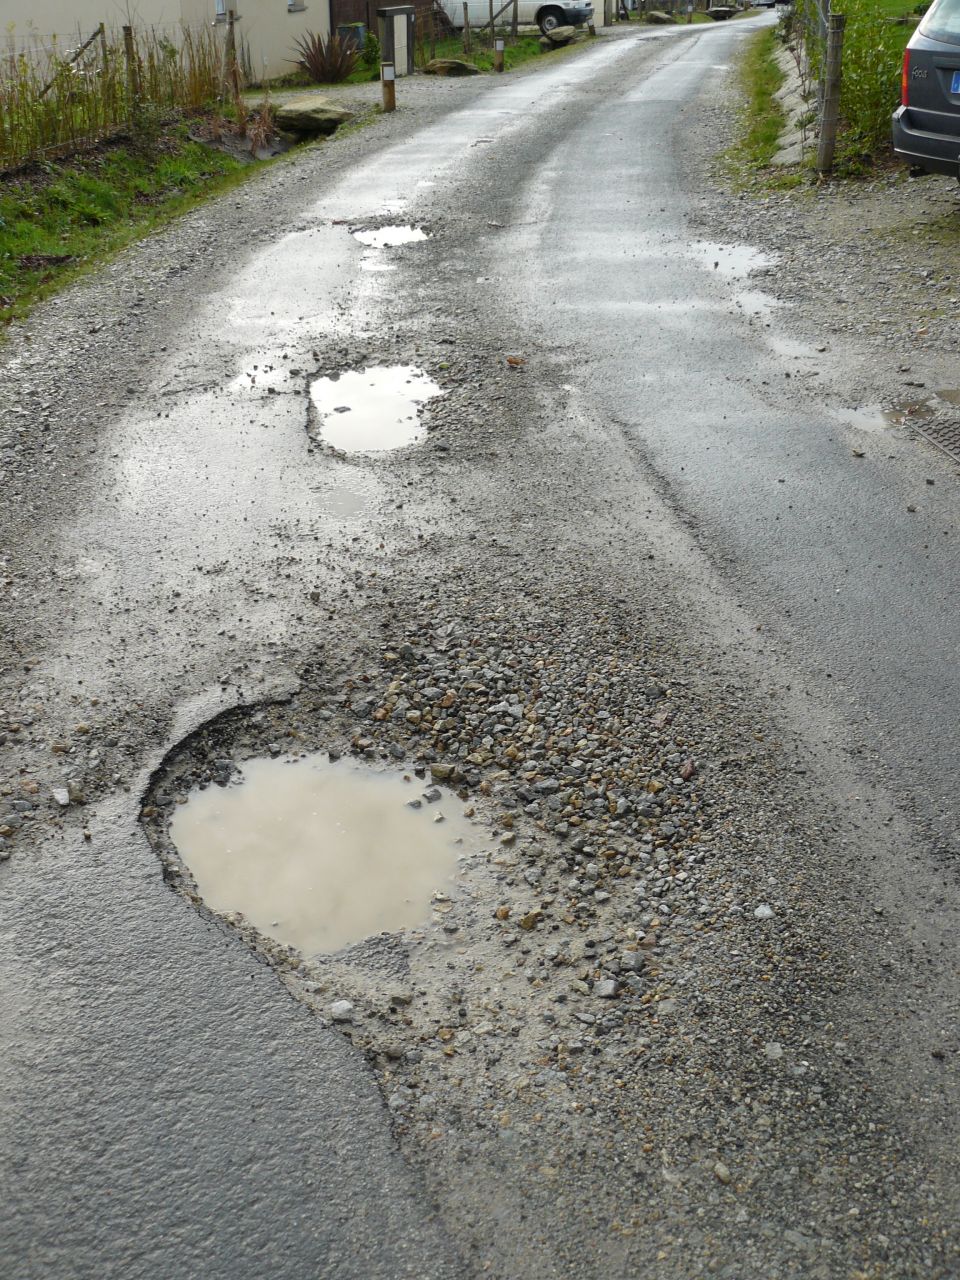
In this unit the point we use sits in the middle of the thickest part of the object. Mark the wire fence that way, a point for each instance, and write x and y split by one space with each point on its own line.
57 97
867 69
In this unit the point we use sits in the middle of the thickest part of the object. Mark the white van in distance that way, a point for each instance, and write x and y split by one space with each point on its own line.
545 14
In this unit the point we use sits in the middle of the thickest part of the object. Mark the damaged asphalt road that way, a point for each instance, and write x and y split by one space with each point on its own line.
692 1008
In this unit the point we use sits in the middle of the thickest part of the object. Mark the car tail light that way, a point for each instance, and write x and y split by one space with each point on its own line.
905 79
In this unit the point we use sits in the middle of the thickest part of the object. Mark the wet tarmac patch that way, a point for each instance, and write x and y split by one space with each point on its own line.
319 854
949 395
390 237
265 378
373 410
790 348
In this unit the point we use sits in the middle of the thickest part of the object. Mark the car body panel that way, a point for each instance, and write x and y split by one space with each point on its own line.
529 12
926 127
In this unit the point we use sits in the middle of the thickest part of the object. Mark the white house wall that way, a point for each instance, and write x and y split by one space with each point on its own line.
268 27
31 22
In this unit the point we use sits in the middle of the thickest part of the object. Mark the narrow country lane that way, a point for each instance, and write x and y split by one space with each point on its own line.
684 656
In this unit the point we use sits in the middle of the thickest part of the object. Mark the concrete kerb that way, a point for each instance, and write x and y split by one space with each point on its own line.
796 107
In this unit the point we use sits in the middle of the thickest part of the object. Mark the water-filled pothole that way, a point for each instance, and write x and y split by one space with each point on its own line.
371 410
388 237
320 854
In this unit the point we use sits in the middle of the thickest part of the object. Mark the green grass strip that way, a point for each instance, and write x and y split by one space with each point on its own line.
760 78
58 219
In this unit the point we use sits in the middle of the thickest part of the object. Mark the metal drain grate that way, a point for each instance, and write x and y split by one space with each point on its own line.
945 435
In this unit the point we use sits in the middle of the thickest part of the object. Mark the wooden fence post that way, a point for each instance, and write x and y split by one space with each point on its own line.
133 83
466 27
831 93
515 18
491 24
102 33
228 65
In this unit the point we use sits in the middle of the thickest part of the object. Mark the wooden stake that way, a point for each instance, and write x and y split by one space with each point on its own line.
388 81
831 93
491 24
515 18
130 56
498 54
466 27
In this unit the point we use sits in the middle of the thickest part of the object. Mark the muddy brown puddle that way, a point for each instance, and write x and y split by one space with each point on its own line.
319 854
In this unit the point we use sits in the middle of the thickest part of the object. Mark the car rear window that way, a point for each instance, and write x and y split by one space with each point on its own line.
942 21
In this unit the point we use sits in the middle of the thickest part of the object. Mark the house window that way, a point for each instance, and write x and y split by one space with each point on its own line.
221 10
295 6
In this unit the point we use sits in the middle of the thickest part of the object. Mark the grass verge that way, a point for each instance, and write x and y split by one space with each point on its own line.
59 218
760 78
761 119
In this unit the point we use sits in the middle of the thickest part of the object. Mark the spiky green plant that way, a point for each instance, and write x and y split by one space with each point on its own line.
326 61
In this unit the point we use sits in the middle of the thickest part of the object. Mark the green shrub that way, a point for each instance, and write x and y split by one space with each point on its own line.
370 57
870 82
870 79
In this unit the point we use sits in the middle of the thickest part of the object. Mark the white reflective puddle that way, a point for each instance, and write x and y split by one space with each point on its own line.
388 237
373 410
732 261
319 855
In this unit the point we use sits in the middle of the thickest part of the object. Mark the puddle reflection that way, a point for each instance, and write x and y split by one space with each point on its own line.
373 410
388 237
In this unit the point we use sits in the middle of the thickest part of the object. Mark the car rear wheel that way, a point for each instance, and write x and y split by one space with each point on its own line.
550 19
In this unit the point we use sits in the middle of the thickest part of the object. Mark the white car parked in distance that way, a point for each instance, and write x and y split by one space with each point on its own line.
545 14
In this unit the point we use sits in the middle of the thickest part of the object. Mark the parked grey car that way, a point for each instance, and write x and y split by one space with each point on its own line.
926 126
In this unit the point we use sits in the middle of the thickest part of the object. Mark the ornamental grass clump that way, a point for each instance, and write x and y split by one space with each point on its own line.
54 102
326 61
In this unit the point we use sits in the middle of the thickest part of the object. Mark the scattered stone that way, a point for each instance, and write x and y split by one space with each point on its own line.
450 67
341 1011
311 115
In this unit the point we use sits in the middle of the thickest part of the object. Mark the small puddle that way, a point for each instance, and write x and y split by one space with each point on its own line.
388 237
372 410
874 417
752 302
733 261
949 395
318 854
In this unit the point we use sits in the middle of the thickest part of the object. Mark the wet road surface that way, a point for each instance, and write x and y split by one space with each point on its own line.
163 1099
